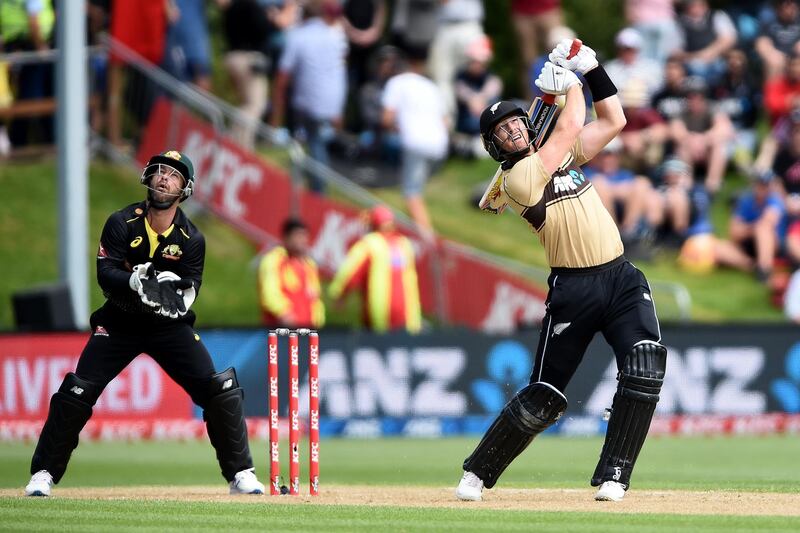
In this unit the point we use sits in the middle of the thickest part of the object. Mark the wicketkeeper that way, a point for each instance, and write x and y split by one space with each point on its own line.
592 287
150 267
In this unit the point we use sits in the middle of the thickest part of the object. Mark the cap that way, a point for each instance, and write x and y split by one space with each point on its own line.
380 215
695 85
480 49
628 38
676 165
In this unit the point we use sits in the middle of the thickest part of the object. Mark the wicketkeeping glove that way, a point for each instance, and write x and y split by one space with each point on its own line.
556 80
171 297
583 61
143 281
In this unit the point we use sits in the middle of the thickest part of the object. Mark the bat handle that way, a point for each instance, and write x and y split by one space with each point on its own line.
573 49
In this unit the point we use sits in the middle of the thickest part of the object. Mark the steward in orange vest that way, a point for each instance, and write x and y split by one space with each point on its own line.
288 282
381 265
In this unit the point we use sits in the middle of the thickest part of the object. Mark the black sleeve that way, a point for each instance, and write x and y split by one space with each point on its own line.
194 259
112 274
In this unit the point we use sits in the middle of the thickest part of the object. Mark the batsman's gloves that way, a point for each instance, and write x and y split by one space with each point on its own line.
556 80
144 282
583 61
173 292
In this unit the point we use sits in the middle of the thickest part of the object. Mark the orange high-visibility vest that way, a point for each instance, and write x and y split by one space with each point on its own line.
382 266
290 285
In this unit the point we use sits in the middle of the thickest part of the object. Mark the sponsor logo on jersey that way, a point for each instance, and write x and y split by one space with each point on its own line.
172 251
101 252
100 331
136 242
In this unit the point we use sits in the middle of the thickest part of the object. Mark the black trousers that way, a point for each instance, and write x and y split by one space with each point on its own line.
613 298
172 344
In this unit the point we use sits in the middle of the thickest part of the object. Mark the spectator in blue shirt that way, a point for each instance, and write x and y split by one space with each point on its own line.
758 224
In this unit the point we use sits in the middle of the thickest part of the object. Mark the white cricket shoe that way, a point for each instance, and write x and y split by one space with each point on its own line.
610 491
469 488
246 482
40 484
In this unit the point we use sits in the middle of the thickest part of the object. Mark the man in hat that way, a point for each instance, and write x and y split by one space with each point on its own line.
150 267
381 265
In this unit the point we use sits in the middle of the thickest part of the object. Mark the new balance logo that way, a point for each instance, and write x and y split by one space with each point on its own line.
227 384
77 391
559 328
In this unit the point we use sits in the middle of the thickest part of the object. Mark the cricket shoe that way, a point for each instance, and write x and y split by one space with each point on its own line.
245 482
40 484
469 488
610 491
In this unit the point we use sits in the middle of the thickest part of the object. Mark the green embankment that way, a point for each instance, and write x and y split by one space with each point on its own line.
28 243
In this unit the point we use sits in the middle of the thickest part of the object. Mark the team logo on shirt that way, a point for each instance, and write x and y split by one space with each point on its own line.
172 251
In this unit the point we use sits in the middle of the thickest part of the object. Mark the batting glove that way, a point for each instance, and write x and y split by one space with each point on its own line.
171 297
556 80
143 281
583 61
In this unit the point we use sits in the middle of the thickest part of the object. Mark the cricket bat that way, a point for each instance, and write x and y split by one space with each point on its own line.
542 113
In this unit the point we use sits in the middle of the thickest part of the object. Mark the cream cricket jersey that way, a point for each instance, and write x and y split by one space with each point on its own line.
565 211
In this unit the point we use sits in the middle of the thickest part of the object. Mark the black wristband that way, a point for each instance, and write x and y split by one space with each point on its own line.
599 83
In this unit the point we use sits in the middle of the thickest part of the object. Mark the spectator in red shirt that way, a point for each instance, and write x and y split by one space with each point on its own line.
782 93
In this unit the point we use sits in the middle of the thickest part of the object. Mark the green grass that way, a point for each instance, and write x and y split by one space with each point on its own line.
81 515
551 462
764 464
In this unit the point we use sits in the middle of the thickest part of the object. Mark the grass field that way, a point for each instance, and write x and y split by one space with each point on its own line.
736 484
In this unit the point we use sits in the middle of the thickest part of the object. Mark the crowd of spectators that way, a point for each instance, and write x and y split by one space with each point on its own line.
706 92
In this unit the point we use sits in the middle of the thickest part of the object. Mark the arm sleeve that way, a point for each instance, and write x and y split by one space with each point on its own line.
352 271
112 273
269 277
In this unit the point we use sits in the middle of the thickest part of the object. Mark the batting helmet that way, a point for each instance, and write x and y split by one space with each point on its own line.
172 159
491 117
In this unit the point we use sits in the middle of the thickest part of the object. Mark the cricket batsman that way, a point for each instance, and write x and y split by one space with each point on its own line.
592 287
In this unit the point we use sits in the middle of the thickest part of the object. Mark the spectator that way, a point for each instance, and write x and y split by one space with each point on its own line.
373 138
782 93
787 169
706 36
414 23
246 60
534 20
288 282
778 38
701 134
655 21
140 25
630 65
460 24
363 24
381 266
738 97
645 132
670 101
26 26
414 106
623 193
187 55
476 88
758 224
314 63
